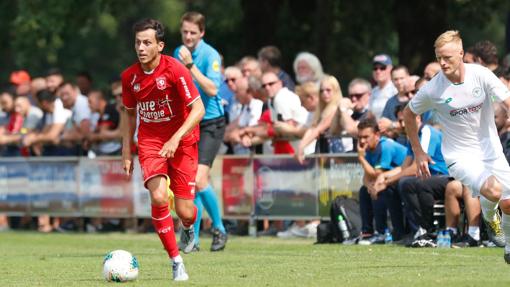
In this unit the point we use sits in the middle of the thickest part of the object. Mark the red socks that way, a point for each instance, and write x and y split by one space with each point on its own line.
164 225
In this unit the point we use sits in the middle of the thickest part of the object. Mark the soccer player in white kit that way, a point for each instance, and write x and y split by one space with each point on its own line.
462 96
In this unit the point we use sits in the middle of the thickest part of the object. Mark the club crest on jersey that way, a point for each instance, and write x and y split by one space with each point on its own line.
477 92
161 83
136 87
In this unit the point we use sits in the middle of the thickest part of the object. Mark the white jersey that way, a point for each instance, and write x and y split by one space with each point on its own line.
465 112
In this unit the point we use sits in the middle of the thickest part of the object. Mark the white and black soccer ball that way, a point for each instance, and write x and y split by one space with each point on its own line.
120 266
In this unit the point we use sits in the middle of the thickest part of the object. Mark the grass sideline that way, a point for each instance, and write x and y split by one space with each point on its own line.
33 259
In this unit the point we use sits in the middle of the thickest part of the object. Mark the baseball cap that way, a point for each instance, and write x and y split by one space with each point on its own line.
19 77
382 59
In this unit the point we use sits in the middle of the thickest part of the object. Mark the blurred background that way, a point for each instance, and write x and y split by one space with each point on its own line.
96 36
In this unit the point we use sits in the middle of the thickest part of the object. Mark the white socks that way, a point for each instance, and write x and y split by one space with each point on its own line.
177 259
489 208
474 232
505 225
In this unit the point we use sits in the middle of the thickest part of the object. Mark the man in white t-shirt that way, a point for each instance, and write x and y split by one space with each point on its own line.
55 119
80 125
461 95
382 66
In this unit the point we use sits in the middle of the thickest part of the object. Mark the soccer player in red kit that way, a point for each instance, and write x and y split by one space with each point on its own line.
160 89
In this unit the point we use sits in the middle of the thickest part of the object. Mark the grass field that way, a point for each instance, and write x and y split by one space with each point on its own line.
32 259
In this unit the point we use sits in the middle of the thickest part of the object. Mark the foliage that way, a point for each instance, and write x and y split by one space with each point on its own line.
95 35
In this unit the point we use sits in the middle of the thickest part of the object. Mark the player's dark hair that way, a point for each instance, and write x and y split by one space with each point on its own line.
46 96
148 23
272 55
368 123
195 18
399 108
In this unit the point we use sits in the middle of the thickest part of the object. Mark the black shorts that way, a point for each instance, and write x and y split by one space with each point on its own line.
211 137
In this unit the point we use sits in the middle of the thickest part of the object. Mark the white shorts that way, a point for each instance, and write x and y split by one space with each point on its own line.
474 172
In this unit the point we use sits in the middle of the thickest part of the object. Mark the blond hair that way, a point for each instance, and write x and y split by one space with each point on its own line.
448 37
324 109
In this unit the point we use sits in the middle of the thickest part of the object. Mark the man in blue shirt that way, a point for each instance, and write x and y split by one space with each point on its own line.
204 63
376 155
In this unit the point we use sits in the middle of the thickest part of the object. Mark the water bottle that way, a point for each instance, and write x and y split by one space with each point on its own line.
388 238
447 239
440 239
342 225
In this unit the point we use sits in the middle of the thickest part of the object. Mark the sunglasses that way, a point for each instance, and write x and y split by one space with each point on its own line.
359 95
269 84
381 68
233 80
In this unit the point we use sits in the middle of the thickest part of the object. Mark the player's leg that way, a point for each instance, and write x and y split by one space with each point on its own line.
211 137
452 197
163 222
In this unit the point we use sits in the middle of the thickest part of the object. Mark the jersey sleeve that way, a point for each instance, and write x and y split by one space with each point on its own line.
183 82
421 102
128 99
494 87
213 71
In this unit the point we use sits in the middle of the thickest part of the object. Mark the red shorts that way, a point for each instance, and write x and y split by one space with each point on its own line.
181 169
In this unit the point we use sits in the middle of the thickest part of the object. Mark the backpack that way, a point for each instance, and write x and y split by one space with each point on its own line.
329 232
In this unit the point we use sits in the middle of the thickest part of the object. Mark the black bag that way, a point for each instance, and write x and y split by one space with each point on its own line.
329 232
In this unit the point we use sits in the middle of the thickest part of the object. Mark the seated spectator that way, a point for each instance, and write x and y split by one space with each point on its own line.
54 79
378 154
307 68
106 138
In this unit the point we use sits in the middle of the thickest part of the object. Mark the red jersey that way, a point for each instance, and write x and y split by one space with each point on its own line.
162 99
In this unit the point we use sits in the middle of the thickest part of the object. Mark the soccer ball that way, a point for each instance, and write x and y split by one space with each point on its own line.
120 266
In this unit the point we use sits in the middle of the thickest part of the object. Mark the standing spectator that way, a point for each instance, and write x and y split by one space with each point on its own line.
12 121
229 87
106 136
378 154
388 123
21 80
80 125
270 60
54 79
250 67
469 55
382 66
37 84
329 99
204 63
307 68
84 82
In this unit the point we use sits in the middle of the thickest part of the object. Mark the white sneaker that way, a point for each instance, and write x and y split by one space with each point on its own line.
179 271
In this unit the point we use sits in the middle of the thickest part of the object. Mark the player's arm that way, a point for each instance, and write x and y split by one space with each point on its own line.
194 117
128 127
422 158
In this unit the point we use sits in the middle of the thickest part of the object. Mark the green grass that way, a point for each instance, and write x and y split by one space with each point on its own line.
32 259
